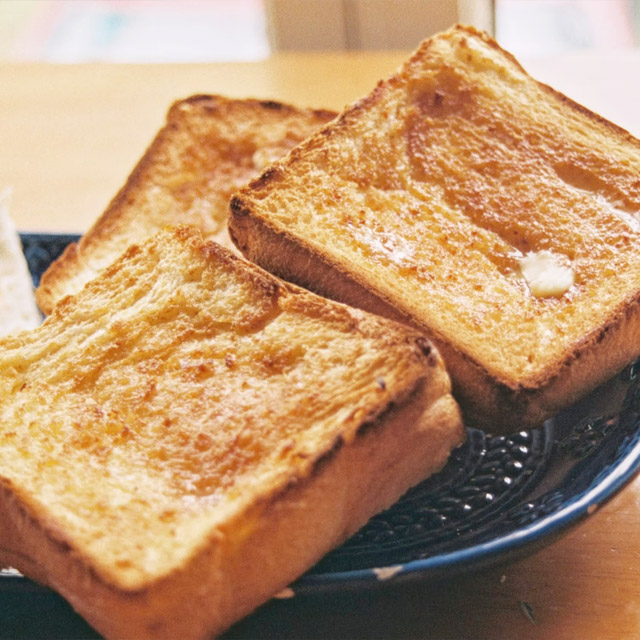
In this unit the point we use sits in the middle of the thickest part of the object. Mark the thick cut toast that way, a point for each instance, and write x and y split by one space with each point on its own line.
188 434
209 146
479 205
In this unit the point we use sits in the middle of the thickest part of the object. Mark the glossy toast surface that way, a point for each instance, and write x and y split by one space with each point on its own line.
470 200
188 434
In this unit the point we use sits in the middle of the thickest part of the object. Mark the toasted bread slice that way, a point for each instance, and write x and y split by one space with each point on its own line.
187 435
479 205
18 309
209 146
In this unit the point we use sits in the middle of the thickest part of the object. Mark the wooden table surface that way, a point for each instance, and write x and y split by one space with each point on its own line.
69 135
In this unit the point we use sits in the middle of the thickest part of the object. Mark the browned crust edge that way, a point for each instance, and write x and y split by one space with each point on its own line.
263 548
572 104
487 400
47 292
291 259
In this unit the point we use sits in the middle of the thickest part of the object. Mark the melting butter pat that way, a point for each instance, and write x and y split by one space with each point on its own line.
546 274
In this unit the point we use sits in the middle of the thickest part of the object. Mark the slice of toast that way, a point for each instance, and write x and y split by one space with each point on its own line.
188 434
18 309
466 198
209 146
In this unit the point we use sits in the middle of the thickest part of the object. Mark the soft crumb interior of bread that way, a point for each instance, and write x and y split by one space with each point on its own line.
160 401
434 187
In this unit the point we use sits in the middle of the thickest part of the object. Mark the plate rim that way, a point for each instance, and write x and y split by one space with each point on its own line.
541 533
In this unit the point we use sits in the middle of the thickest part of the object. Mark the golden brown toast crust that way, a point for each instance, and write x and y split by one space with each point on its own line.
230 429
421 200
209 146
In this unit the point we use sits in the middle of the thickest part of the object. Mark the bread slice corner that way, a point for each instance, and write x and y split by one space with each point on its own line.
209 146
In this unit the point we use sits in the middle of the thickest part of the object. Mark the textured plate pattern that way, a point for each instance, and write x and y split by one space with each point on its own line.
501 496
482 481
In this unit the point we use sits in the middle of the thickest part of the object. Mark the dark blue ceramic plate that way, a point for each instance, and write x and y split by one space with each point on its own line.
498 498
